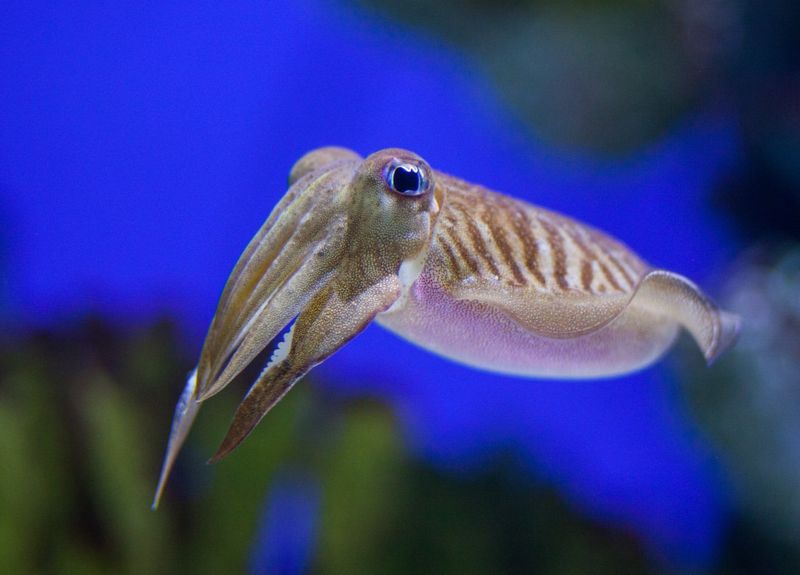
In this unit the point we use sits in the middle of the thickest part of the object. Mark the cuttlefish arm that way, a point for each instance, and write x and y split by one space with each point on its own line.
465 272
331 319
334 253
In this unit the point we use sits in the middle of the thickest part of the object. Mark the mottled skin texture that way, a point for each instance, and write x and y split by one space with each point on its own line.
463 271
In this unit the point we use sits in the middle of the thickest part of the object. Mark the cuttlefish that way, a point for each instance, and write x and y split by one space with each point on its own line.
473 275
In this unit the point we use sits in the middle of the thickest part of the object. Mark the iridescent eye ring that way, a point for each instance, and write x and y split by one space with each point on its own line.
405 178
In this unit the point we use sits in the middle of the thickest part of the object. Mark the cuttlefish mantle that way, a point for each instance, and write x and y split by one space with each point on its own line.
470 274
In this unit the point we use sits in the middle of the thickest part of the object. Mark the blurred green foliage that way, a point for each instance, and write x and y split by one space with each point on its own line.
83 419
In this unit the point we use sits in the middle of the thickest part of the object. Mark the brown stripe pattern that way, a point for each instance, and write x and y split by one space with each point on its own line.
483 235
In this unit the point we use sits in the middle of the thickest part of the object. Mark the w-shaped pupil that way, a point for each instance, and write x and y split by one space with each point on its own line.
406 179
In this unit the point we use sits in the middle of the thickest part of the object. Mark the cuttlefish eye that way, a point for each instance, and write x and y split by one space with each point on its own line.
406 178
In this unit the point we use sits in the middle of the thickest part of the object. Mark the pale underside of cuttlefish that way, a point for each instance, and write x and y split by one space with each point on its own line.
470 274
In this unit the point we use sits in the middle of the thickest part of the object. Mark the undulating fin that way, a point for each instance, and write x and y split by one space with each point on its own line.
676 297
577 313
556 316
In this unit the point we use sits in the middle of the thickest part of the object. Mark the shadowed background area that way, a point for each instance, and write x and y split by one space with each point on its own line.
142 145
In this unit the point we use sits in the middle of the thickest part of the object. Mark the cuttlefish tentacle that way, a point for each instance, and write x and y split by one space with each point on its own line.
285 263
334 254
465 272
185 412
332 318
284 253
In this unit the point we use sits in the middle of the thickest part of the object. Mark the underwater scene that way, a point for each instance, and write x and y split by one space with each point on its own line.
143 145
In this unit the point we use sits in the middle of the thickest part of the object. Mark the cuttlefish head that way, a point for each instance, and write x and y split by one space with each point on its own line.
344 243
344 221
390 204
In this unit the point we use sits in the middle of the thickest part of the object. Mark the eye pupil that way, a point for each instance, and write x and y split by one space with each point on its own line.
407 179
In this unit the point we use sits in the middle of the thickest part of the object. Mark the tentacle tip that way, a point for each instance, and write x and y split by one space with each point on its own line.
236 434
729 327
185 413
222 452
162 483
207 389
166 469
205 394
218 455
157 496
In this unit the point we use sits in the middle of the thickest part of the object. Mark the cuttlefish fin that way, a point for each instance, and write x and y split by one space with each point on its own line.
332 318
673 295
660 294
185 412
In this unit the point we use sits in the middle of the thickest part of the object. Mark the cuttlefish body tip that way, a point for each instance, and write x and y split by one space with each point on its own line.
730 325
468 273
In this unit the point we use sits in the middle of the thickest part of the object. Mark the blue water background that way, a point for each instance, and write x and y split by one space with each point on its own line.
142 144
